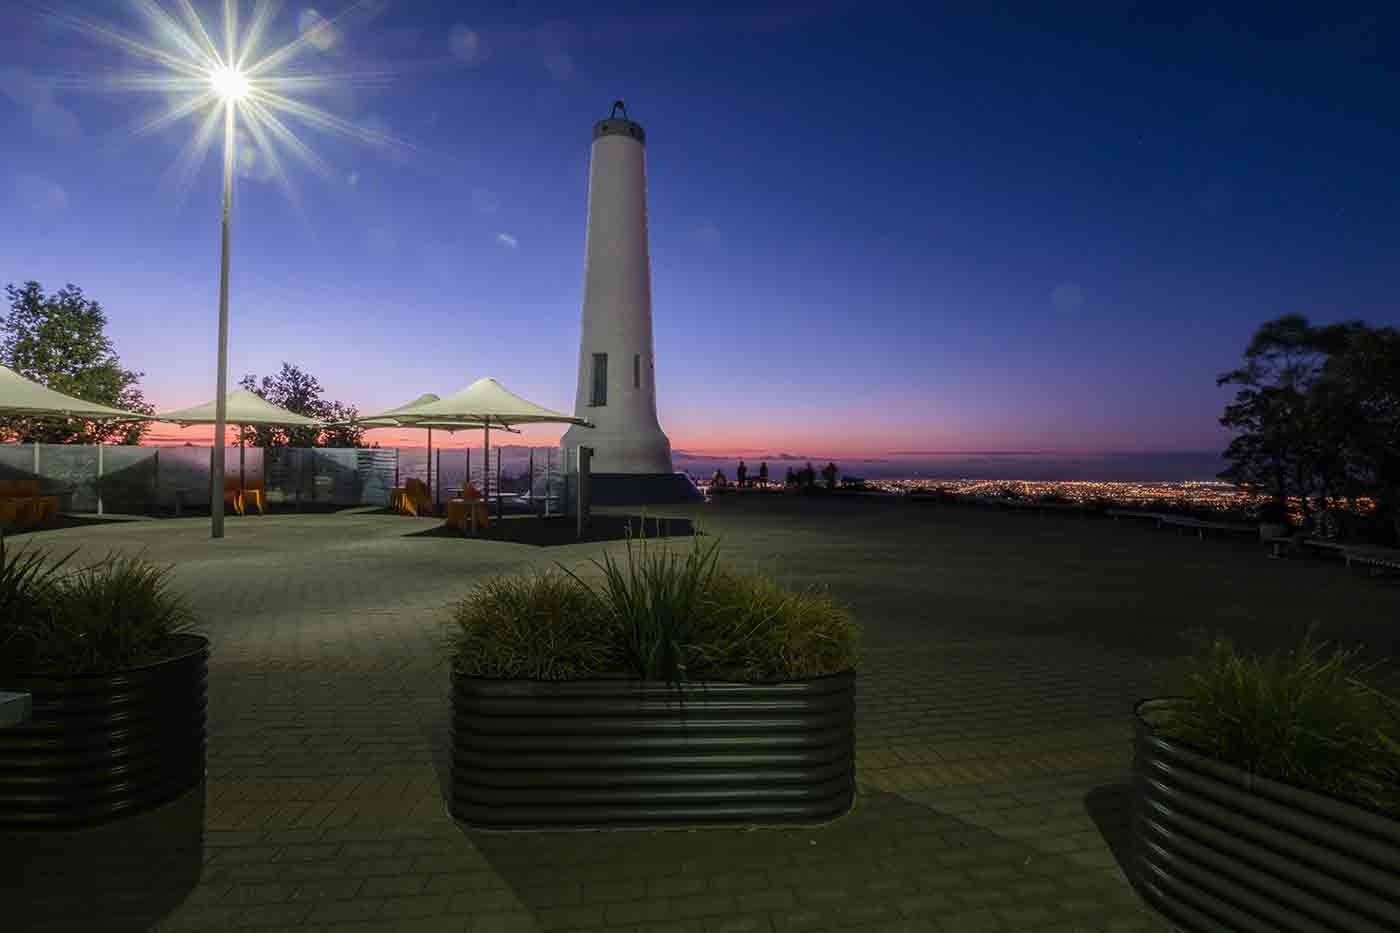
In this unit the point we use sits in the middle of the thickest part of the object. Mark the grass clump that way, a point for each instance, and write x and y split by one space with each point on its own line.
751 629
1298 717
540 627
655 599
115 614
655 614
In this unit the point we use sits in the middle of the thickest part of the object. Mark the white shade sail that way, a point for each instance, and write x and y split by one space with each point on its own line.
394 418
241 407
390 418
485 402
21 396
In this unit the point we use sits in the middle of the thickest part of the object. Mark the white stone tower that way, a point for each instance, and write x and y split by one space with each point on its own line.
616 367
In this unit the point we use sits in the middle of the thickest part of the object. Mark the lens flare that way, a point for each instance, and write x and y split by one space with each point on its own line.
232 79
229 83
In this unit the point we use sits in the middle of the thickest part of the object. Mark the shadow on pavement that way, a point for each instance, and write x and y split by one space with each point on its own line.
557 532
1110 806
67 521
128 875
891 860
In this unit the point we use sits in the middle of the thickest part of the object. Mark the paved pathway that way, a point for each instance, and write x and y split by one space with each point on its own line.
992 753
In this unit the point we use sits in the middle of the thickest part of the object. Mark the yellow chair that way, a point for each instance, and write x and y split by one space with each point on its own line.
33 506
416 500
458 515
233 495
253 491
9 503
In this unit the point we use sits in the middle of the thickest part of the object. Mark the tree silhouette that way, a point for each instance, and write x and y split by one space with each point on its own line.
60 341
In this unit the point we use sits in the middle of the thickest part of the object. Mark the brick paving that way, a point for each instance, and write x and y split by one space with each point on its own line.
993 749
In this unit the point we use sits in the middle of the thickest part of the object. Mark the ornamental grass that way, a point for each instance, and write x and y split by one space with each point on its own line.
655 614
1299 717
109 616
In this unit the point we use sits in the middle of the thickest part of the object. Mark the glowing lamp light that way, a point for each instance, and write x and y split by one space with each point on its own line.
238 84
229 83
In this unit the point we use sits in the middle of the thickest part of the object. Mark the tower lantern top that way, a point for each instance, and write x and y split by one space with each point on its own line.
619 126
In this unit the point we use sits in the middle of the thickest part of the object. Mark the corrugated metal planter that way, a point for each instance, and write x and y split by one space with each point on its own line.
103 746
596 753
1216 848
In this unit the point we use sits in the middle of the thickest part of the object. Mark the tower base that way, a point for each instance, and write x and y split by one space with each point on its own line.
641 489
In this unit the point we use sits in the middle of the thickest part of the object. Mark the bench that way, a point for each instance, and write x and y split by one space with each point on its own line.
1116 514
15 708
1378 560
1202 526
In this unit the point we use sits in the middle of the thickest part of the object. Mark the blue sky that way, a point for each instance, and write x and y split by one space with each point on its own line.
875 227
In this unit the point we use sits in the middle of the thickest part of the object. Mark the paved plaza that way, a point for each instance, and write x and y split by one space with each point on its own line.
1002 655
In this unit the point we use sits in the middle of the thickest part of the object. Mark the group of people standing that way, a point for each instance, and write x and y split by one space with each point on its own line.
807 476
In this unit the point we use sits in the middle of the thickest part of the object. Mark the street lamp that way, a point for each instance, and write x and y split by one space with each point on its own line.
256 86
231 86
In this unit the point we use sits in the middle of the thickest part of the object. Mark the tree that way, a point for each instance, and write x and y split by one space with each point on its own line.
1274 447
1360 391
343 433
60 341
298 391
807 476
829 474
763 473
1317 415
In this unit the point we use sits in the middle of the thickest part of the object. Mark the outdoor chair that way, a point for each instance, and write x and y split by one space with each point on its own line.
458 515
233 495
408 499
253 495
14 512
418 495
413 499
29 505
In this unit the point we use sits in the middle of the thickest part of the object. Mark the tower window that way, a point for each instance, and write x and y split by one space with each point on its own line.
600 380
636 371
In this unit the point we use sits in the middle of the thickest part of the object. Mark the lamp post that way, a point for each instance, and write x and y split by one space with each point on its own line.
231 86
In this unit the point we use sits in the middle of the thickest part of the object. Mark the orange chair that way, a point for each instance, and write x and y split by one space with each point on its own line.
415 499
253 491
233 495
458 515
31 506
9 503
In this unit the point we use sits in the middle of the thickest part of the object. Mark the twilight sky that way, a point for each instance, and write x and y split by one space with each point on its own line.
875 227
